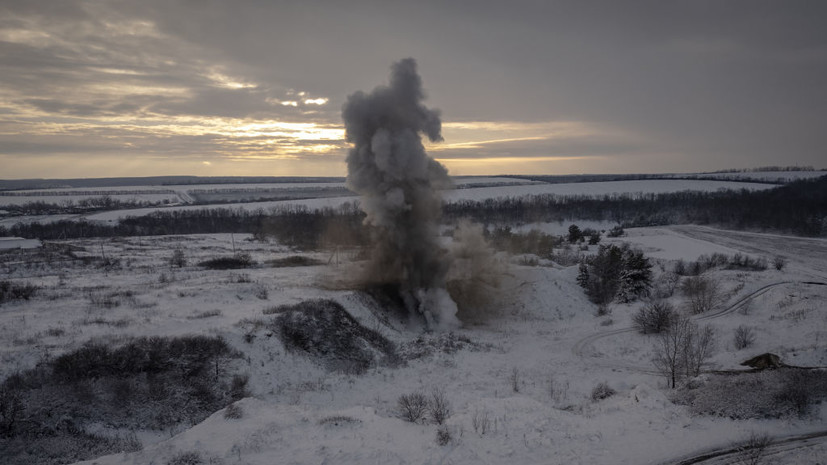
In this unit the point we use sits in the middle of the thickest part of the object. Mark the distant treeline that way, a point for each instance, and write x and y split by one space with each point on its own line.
799 207
294 225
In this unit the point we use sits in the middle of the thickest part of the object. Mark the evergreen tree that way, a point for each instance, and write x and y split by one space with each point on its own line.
636 277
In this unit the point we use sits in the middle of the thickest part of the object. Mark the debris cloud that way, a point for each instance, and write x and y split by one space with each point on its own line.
399 187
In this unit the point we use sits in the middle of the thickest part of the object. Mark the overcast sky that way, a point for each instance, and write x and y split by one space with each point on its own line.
133 88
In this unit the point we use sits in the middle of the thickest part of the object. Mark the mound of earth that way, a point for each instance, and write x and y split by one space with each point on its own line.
324 330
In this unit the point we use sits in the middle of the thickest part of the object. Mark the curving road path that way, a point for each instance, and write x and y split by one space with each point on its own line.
777 446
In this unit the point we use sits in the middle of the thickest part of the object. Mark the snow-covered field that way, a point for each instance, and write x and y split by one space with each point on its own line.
520 390
481 193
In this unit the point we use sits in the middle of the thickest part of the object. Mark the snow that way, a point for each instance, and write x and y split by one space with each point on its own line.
18 243
596 189
478 193
542 316
670 245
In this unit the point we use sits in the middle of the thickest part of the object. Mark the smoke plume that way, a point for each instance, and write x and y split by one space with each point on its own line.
399 187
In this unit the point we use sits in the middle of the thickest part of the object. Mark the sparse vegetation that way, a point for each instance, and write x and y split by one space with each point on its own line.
683 349
186 458
412 407
324 330
233 412
152 383
444 436
779 393
702 294
237 261
294 261
514 380
753 450
654 317
439 409
178 259
744 337
16 291
602 391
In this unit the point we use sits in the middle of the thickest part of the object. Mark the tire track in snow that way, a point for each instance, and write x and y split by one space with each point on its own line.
777 446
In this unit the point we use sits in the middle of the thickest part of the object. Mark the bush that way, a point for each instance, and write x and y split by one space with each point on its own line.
744 337
439 408
15 291
779 393
178 259
616 231
412 407
235 262
752 451
654 317
294 261
443 436
779 262
702 294
147 383
186 458
602 391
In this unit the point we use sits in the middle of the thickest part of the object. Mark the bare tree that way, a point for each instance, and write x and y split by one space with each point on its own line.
669 349
697 348
683 349
702 294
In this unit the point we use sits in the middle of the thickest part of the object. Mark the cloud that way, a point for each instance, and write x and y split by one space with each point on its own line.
709 85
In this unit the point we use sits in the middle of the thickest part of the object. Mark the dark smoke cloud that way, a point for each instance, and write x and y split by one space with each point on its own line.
399 187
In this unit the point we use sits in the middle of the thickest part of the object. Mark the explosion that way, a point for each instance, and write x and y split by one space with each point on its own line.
399 187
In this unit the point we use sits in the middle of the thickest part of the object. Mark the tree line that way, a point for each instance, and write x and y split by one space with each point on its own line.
799 208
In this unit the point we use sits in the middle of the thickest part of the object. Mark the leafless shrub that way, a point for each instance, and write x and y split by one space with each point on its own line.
178 259
746 307
261 292
412 407
11 409
337 420
204 314
439 409
744 337
654 317
602 391
444 436
753 451
186 458
558 391
664 287
238 387
779 262
481 422
703 294
514 380
698 348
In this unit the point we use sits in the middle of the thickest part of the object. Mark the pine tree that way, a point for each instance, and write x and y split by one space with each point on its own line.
583 276
636 277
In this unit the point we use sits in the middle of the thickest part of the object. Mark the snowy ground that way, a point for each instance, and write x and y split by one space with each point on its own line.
482 193
522 397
